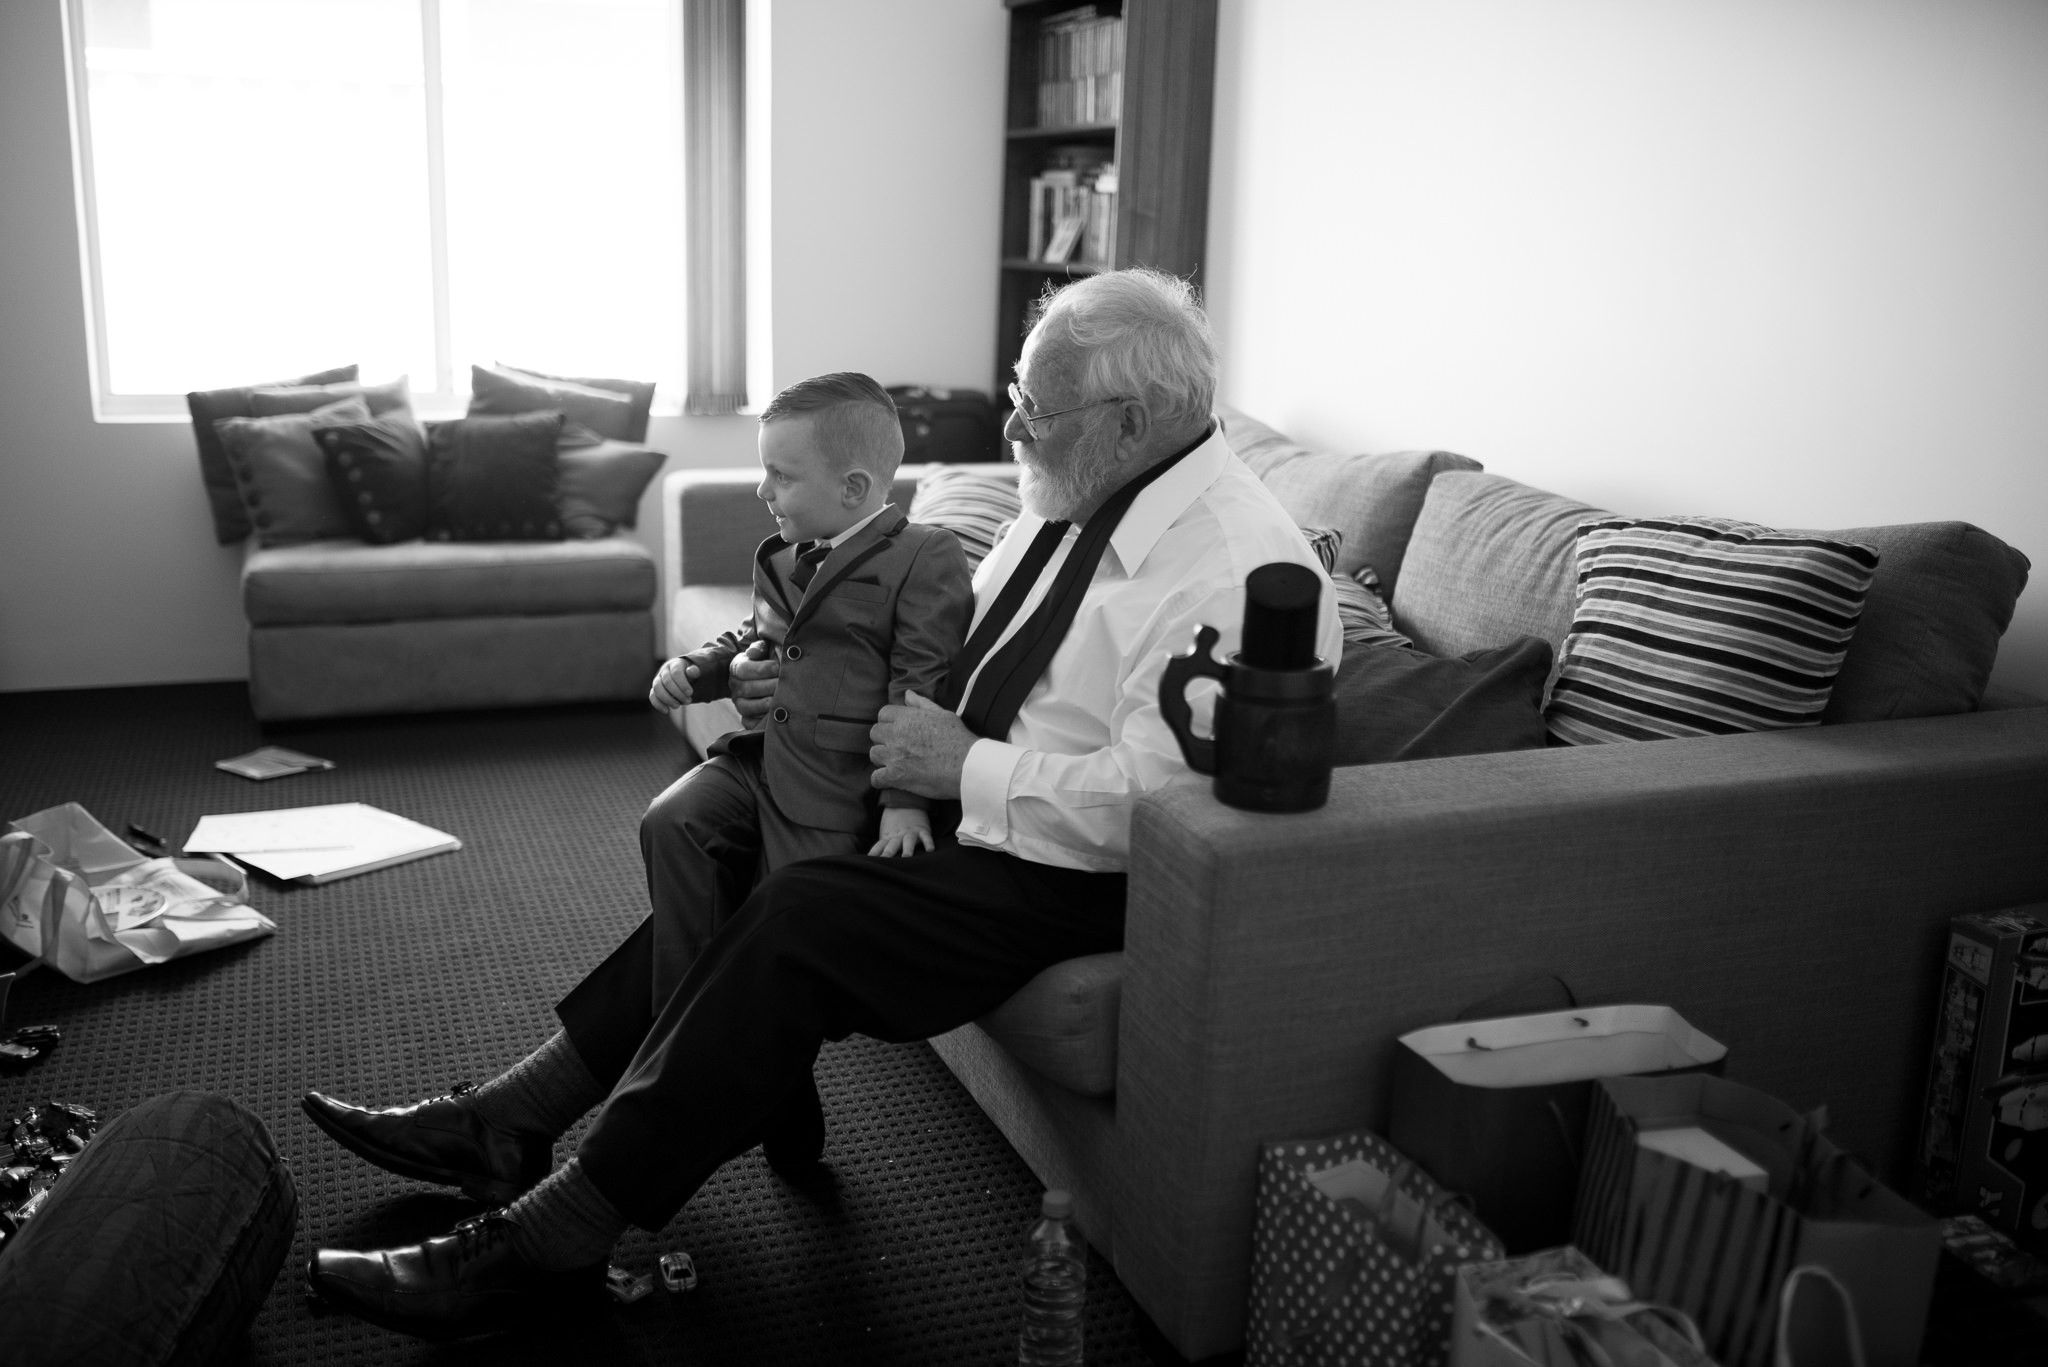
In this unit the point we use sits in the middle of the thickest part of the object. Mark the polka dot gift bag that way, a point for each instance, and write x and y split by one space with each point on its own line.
1355 1254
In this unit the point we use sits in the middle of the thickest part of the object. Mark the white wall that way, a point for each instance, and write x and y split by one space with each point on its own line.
1784 260
109 574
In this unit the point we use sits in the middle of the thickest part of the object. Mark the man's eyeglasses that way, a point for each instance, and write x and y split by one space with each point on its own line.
1031 420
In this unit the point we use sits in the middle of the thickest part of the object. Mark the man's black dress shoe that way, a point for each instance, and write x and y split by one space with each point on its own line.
793 1139
441 1140
464 1284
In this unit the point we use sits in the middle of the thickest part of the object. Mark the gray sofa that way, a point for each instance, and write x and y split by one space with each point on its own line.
342 628
1786 890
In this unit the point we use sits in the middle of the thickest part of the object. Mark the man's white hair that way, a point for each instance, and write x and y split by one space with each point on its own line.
1140 334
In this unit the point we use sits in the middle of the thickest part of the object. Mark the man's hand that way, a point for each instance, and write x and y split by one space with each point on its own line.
672 686
919 747
751 681
903 830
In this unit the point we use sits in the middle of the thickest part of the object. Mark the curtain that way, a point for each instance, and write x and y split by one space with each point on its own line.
714 168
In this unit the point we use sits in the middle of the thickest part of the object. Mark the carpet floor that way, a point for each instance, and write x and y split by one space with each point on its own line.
394 985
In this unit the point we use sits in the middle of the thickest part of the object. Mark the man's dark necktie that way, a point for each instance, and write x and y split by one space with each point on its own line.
1012 672
807 562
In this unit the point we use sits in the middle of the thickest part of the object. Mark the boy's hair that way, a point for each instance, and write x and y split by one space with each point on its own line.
856 421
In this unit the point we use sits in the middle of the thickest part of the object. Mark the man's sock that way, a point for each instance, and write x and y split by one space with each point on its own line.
544 1093
564 1223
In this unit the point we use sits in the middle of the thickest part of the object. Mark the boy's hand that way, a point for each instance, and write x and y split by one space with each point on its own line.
903 830
672 686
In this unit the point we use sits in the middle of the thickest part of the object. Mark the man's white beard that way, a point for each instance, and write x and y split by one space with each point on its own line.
1057 495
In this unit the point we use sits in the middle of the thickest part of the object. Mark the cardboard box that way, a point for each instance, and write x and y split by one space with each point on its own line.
1984 1137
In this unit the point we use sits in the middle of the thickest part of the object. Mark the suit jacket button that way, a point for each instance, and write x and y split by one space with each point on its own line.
780 714
793 653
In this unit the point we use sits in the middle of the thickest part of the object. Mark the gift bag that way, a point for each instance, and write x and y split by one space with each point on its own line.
1496 1109
1556 1309
1720 1248
1353 1257
76 896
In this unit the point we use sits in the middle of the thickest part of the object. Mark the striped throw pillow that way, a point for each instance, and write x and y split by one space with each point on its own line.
1703 627
974 503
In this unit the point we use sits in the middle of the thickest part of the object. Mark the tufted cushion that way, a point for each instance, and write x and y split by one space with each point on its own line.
1062 1024
494 478
159 1244
281 473
1942 596
347 581
378 470
1490 560
1372 499
208 406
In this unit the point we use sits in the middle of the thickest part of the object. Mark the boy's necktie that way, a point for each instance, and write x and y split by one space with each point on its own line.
807 562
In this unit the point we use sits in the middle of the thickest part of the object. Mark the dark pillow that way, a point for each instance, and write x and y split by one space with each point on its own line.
304 398
1942 596
377 467
208 406
605 412
601 485
1394 703
282 476
494 478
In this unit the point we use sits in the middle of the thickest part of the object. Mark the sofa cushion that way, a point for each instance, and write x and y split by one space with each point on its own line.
208 406
281 473
378 469
494 478
973 502
347 581
1372 499
1490 560
1062 1024
607 412
601 483
268 401
1942 596
1400 704
1704 627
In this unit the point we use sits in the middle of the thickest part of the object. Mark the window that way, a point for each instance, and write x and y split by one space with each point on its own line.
270 187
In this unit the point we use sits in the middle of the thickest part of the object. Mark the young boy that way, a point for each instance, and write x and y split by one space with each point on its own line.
861 604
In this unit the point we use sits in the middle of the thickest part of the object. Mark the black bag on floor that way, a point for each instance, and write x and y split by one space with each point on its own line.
157 1245
947 425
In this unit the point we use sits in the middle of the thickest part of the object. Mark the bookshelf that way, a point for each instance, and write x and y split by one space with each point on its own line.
1108 123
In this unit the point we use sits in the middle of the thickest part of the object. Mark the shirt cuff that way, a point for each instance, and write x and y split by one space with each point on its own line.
985 790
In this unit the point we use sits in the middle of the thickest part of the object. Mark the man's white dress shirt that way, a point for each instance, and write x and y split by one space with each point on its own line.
1090 737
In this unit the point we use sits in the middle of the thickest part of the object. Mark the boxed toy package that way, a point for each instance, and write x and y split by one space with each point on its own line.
1984 1139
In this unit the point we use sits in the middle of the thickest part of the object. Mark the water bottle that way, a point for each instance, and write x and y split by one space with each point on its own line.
1055 1288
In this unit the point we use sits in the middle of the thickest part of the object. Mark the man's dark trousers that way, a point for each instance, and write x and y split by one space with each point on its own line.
898 949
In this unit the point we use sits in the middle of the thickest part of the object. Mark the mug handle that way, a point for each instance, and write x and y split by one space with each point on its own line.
1199 662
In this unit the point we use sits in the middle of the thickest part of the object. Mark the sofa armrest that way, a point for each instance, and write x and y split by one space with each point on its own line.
1787 891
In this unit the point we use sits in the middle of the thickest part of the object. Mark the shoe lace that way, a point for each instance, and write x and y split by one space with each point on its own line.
480 1233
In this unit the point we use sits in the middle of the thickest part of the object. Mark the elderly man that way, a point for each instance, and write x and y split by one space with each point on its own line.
1140 526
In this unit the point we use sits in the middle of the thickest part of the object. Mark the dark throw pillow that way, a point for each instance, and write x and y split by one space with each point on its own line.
494 478
209 406
601 485
281 474
1396 704
604 411
377 468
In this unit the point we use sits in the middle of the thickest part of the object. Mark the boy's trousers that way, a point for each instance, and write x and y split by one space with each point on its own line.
706 842
898 949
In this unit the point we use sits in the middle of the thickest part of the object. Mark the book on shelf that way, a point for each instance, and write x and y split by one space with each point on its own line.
1072 208
1080 68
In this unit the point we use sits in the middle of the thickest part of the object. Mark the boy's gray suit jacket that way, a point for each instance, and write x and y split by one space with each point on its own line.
884 615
